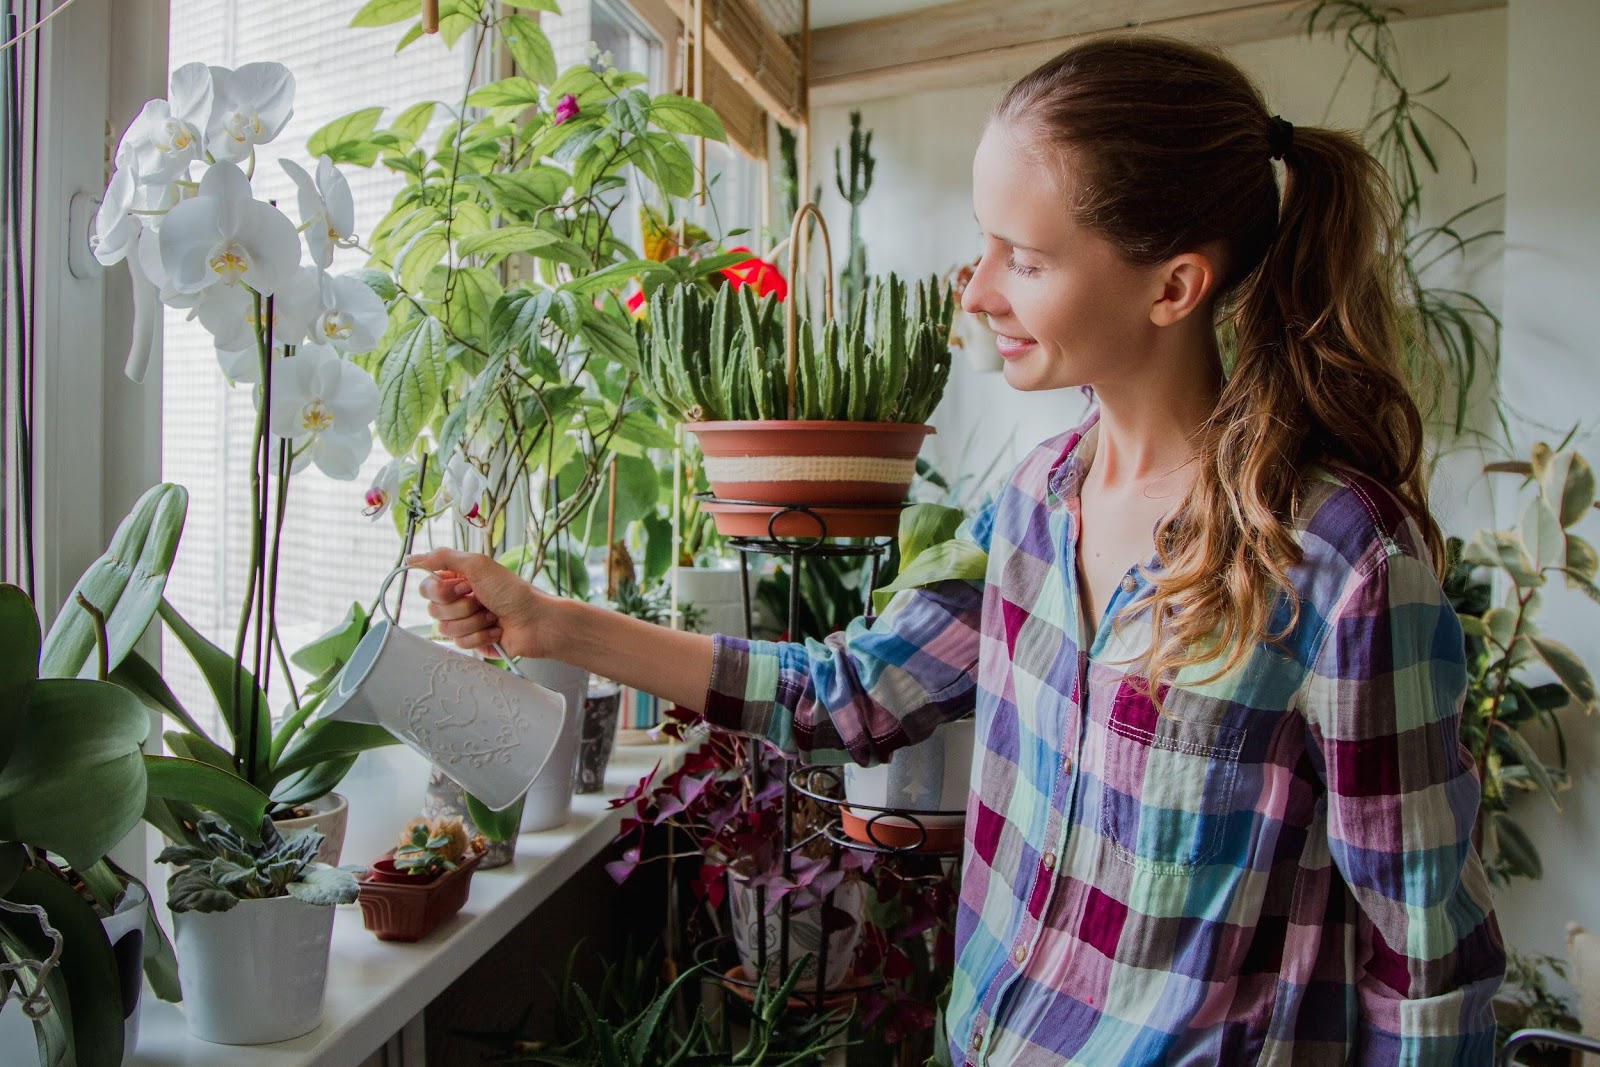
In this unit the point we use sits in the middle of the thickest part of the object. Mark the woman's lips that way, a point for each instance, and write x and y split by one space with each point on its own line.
1013 347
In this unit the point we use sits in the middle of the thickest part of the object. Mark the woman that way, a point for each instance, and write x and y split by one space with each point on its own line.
1264 856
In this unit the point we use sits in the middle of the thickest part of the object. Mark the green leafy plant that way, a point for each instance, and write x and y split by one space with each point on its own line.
507 376
1526 1000
73 783
221 868
722 356
1454 323
432 847
1504 642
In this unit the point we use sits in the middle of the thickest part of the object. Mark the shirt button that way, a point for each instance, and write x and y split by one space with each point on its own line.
1020 954
1049 861
1128 583
977 1042
1066 765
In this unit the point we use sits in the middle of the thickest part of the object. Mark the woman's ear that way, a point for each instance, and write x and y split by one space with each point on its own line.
1187 282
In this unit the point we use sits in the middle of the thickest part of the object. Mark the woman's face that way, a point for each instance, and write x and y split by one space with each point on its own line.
1066 309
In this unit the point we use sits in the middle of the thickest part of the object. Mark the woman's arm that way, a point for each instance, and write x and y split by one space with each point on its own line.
1383 706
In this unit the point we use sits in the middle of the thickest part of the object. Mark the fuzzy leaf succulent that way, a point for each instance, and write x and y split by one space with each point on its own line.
719 357
221 868
431 847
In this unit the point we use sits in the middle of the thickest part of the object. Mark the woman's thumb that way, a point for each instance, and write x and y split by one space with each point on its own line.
446 559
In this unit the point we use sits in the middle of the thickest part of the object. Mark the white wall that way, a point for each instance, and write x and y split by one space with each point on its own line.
918 219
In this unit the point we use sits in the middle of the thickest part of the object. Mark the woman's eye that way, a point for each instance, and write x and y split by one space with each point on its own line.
1017 268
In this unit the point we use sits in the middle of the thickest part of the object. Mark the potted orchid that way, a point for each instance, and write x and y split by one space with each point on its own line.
507 371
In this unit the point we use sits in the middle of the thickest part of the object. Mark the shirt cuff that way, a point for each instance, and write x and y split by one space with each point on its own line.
738 684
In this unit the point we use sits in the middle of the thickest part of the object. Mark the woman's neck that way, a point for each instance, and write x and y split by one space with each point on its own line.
1149 428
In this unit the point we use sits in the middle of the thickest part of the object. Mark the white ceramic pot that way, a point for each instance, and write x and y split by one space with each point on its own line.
256 973
718 592
487 729
388 786
805 933
977 341
125 930
549 800
932 776
329 816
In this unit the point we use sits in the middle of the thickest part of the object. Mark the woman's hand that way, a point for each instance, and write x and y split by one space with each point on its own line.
477 603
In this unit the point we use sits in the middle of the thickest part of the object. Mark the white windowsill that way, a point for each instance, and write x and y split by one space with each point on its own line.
376 987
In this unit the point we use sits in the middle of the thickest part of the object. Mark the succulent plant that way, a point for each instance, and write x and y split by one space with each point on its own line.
723 356
222 868
431 846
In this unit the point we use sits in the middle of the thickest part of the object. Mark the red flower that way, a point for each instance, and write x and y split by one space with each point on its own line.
566 108
756 272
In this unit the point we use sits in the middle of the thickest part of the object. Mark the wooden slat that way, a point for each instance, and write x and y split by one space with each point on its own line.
758 61
984 42
743 118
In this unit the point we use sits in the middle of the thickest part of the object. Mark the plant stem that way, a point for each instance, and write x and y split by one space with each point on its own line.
101 642
258 447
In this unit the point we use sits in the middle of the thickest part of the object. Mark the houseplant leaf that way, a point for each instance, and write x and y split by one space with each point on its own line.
217 667
335 646
324 885
125 584
209 788
328 739
1542 535
1568 668
19 662
1567 486
137 675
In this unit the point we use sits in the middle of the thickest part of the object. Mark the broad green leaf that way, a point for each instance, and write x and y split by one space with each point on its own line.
348 139
88 966
409 384
925 525
328 739
631 112
1542 535
312 783
1473 626
1501 624
325 886
190 781
125 585
237 704
640 428
384 13
494 825
198 747
335 646
507 92
139 677
1568 486
412 123
421 254
530 48
472 301
1568 668
19 630
1582 561
679 114
1512 556
506 240
75 782
524 192
946 561
1530 760
517 316
608 336
1516 847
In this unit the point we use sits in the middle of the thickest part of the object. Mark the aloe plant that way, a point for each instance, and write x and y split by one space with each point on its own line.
724 356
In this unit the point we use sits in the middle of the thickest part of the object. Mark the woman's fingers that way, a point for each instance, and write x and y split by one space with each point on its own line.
481 639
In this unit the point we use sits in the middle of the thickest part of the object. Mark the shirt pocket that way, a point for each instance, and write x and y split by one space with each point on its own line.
1167 790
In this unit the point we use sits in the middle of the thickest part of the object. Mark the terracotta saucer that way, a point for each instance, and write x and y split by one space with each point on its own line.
890 832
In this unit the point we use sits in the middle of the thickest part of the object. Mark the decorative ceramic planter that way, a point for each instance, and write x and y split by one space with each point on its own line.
125 930
598 734
400 907
717 592
329 816
256 973
805 934
548 803
922 780
840 465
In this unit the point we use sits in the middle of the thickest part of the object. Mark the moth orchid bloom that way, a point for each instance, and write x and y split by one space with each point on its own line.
250 107
348 315
228 312
324 405
168 135
327 209
224 236
462 487
385 487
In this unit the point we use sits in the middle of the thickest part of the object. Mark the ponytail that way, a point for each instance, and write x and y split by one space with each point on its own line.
1173 149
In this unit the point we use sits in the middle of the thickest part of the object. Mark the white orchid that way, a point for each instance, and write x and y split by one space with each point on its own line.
324 405
385 487
251 107
168 134
461 487
229 314
116 227
327 209
223 235
348 315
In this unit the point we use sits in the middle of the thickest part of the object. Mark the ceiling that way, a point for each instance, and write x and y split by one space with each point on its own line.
835 12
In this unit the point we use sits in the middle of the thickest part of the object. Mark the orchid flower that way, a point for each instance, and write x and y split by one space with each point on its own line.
168 135
462 487
347 315
327 209
251 107
223 235
385 487
324 405
228 312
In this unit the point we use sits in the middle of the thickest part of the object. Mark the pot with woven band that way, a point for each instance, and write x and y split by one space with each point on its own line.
809 428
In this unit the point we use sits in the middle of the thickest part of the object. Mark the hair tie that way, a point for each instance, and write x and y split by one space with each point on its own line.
1280 136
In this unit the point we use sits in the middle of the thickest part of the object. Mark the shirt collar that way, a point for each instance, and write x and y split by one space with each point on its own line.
1066 473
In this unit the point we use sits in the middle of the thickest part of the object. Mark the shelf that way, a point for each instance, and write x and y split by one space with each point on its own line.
375 988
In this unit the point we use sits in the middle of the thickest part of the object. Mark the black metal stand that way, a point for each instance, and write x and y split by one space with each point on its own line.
821 785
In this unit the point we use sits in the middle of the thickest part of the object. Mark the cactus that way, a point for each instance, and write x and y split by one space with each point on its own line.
723 356
853 279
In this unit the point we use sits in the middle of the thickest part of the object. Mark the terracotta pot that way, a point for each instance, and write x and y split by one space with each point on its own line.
842 464
384 870
407 909
328 815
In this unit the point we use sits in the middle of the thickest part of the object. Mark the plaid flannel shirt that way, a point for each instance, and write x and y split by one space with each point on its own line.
1277 871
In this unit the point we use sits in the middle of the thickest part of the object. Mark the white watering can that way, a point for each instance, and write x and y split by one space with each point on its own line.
491 731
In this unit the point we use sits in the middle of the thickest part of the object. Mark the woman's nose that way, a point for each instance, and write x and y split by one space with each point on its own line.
980 296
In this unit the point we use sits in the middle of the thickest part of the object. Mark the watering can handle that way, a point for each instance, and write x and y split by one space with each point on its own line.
383 605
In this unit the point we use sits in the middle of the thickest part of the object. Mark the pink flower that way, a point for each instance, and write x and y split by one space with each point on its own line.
566 108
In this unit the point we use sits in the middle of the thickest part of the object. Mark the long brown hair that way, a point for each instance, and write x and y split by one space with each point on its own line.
1171 149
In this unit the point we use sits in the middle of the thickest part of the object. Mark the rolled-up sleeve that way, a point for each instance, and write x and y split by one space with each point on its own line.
1383 707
